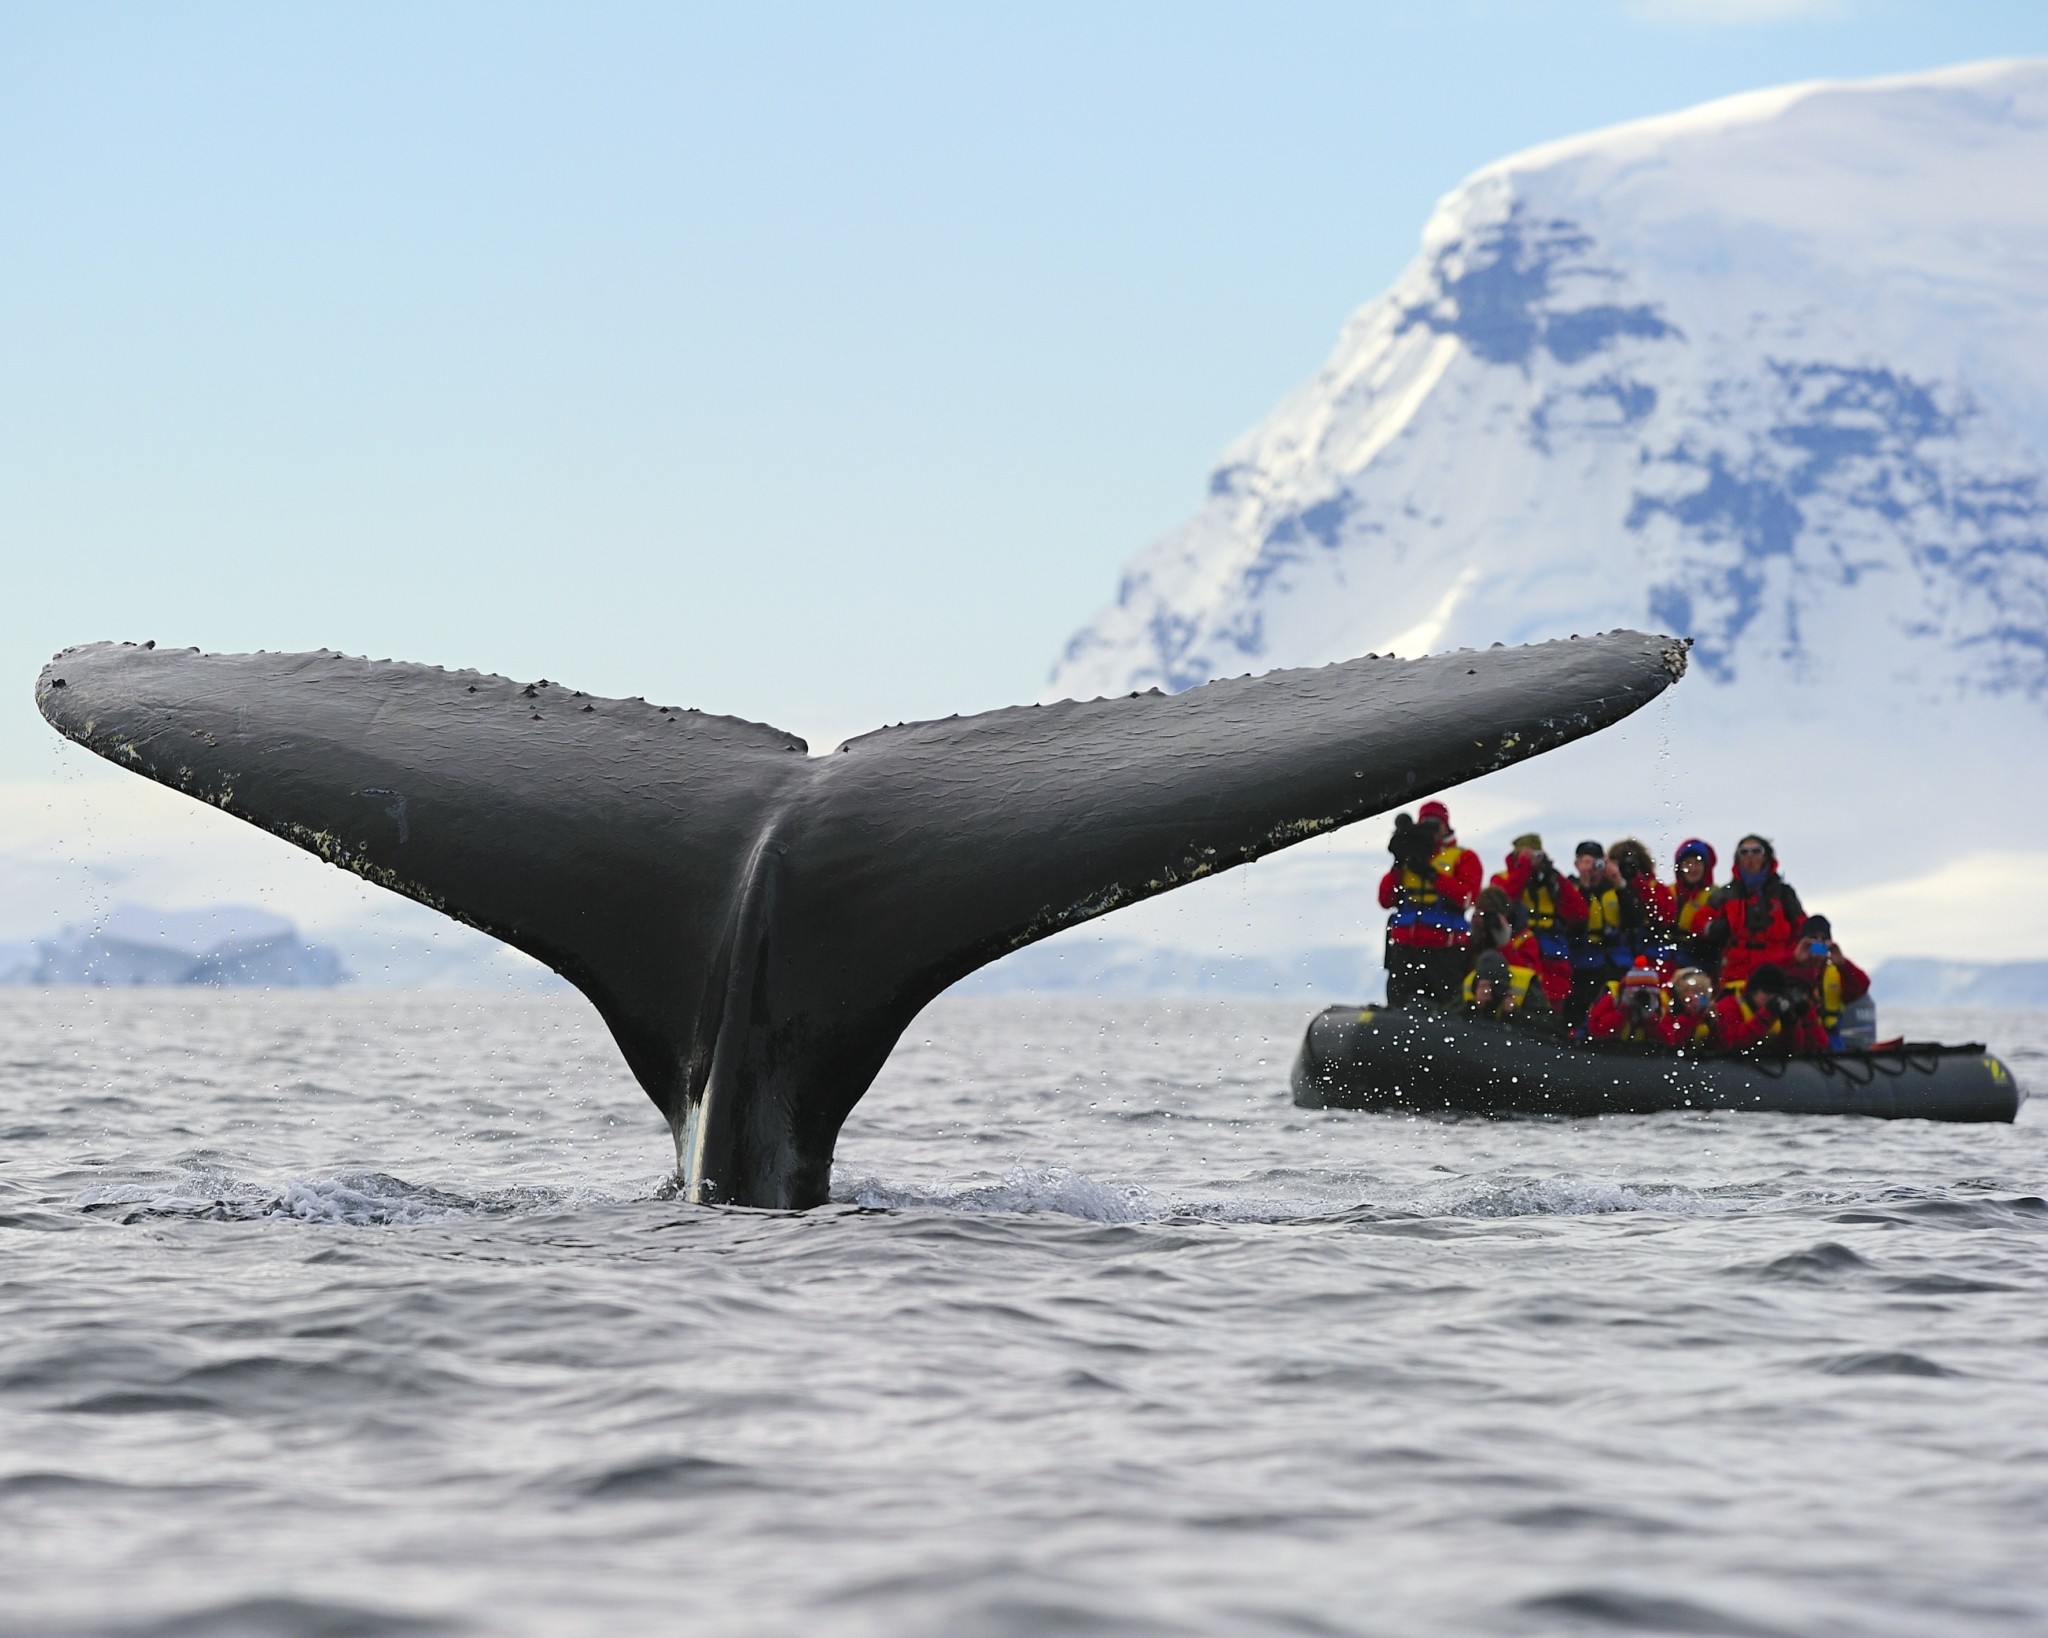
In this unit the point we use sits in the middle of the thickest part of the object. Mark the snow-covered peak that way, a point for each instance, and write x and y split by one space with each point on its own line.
1771 372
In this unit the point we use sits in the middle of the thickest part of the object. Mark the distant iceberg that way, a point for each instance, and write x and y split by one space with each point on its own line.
1993 986
224 947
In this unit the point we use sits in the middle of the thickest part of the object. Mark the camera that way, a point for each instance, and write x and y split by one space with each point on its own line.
1414 842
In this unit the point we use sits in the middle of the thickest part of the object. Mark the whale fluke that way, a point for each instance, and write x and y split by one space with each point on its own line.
758 926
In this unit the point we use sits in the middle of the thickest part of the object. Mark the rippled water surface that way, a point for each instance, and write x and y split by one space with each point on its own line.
370 1316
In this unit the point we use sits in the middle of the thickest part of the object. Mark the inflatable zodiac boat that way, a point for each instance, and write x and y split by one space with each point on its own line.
1419 1058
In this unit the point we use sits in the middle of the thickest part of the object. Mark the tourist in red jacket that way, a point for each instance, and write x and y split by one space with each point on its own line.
1493 989
1691 1023
1500 924
1552 906
1654 935
1461 864
1830 977
1632 1010
1771 1014
1693 866
1426 891
1602 950
1753 920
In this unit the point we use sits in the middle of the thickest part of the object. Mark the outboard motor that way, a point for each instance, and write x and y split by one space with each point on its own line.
1858 1024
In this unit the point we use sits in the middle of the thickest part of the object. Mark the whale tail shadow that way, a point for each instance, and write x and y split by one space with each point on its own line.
757 926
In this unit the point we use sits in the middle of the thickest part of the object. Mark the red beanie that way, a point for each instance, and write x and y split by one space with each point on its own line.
1436 811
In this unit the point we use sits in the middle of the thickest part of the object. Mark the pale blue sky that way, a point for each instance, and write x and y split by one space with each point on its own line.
820 365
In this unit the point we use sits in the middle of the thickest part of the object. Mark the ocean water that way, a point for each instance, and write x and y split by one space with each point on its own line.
370 1315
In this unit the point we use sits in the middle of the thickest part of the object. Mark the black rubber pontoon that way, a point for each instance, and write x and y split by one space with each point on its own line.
1420 1058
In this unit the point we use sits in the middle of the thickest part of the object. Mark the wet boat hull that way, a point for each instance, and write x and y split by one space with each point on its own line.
1422 1059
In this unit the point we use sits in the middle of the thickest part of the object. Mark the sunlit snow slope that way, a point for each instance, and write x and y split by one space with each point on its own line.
1772 372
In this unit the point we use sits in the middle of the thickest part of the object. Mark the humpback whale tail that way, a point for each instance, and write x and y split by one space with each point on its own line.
758 926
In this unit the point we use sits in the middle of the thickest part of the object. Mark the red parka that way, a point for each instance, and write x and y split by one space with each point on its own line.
1833 982
1691 908
1552 912
1751 926
1692 1032
1660 903
1609 1020
1746 1027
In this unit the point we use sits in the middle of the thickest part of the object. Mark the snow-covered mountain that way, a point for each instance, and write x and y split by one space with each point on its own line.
1772 372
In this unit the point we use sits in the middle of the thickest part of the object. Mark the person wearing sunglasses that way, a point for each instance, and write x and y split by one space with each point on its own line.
1753 918
1693 866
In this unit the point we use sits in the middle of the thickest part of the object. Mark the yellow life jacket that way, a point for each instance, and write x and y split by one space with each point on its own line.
1421 905
1692 910
1603 914
1420 889
1519 979
1829 1000
1541 904
1749 1015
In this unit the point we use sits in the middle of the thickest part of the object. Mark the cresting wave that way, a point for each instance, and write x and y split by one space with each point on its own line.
379 1200
353 1199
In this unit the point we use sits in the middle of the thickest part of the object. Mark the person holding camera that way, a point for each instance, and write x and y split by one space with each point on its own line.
1551 905
1428 891
1631 1010
1693 866
1771 1014
1830 977
1458 862
1499 923
1600 946
1691 1023
1496 988
1752 921
1654 934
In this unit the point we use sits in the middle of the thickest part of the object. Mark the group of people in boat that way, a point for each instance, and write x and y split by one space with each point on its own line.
1607 951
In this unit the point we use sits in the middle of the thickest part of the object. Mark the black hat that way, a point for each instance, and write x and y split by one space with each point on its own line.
1816 927
1491 965
1593 848
1771 979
